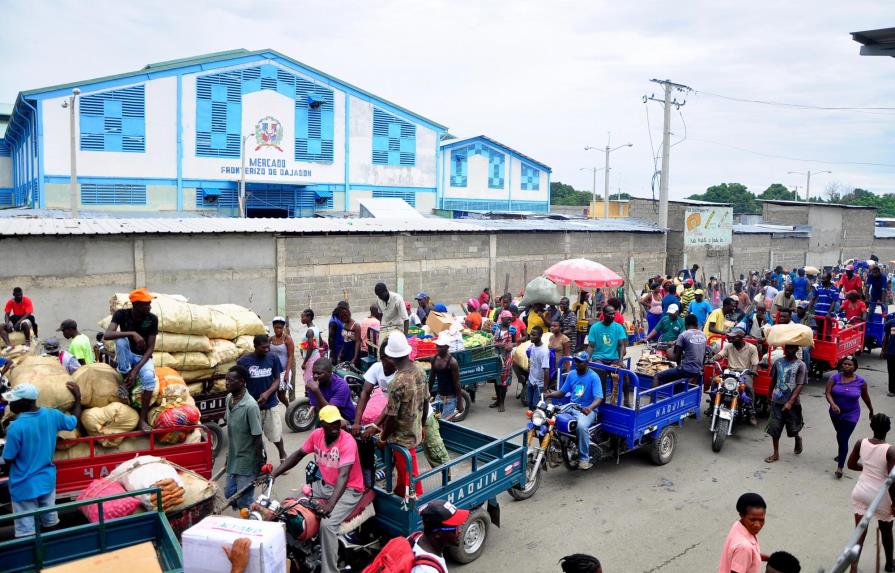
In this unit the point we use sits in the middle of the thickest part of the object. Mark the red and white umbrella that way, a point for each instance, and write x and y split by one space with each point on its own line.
584 273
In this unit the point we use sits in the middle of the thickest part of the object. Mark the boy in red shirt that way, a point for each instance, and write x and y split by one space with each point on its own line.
19 315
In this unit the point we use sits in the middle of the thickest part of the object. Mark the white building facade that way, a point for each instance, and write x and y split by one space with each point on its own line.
183 136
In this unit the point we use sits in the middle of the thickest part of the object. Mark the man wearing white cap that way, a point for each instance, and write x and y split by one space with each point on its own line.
408 395
30 444
670 326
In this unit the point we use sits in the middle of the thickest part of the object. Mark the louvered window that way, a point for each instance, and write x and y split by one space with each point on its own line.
408 196
394 140
114 121
531 178
460 159
485 205
219 112
112 194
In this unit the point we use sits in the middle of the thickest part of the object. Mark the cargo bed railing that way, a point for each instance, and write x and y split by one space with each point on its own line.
165 538
398 454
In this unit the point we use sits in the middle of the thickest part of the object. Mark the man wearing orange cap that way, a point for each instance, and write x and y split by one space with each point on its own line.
134 330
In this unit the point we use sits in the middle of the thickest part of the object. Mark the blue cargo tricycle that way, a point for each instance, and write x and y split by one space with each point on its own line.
634 414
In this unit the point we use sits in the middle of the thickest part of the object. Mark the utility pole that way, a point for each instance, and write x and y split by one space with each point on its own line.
807 175
667 101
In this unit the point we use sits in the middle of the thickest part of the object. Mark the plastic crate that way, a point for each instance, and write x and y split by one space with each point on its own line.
421 348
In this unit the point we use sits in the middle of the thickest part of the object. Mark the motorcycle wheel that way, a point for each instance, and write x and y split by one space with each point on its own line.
473 536
720 435
216 435
532 482
663 446
570 455
467 401
300 415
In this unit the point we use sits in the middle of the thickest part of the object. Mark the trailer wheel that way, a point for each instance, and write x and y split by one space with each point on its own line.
216 435
475 532
300 415
532 482
467 401
663 446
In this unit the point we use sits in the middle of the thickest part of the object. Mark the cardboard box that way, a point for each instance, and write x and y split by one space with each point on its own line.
438 321
203 545
140 558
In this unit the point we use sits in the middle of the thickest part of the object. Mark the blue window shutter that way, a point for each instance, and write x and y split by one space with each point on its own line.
203 115
218 93
112 194
114 120
408 196
394 140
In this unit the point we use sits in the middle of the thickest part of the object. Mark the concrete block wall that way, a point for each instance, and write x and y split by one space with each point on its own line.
884 249
757 252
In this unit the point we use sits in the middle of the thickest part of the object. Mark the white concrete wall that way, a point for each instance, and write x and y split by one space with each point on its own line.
5 173
254 107
362 169
159 160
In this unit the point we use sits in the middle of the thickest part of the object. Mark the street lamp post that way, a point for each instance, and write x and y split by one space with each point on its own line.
73 142
593 189
241 200
607 150
807 175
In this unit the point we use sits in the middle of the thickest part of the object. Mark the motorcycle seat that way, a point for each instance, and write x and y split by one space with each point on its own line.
361 513
365 500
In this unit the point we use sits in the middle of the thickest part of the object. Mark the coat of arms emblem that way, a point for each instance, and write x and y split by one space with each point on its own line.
268 133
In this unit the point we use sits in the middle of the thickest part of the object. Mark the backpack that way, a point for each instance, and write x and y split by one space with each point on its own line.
397 557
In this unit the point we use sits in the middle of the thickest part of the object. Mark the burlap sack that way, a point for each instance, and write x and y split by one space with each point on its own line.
792 333
98 383
112 419
49 376
183 361
223 351
173 342
222 369
121 300
247 322
190 375
196 388
245 344
63 435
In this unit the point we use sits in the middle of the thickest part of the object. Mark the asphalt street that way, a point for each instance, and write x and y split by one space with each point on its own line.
638 517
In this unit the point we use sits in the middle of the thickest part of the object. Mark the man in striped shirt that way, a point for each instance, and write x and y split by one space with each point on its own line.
824 302
687 296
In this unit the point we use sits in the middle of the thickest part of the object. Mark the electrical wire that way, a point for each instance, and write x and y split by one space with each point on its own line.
797 105
685 129
762 154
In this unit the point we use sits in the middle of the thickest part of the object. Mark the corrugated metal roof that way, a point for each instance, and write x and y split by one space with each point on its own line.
884 232
687 202
387 208
19 227
812 204
769 229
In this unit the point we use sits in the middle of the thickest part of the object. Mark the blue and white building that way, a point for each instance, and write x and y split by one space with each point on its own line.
181 135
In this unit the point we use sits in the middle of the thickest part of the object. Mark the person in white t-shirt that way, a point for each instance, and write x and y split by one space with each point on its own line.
370 411
442 527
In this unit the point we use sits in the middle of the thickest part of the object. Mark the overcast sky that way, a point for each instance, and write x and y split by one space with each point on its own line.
546 78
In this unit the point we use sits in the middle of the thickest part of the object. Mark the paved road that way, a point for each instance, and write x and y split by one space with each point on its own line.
637 517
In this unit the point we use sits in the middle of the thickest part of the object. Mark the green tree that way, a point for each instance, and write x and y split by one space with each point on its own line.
562 194
779 192
736 194
619 197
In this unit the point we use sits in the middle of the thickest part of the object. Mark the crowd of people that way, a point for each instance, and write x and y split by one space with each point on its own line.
399 399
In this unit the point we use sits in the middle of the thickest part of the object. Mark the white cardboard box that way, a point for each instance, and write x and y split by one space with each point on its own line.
203 545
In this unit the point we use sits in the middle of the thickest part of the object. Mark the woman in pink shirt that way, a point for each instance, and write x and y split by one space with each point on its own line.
741 553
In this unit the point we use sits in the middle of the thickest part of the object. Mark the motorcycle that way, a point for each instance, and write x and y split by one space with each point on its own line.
731 403
543 449
300 415
567 433
302 516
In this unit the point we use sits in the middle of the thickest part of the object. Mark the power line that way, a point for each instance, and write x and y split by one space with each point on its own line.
797 105
762 154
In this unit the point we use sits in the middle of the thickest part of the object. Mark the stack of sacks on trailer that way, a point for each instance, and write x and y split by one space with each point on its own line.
198 341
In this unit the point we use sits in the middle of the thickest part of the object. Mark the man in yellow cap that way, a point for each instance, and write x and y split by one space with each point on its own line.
342 483
134 330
